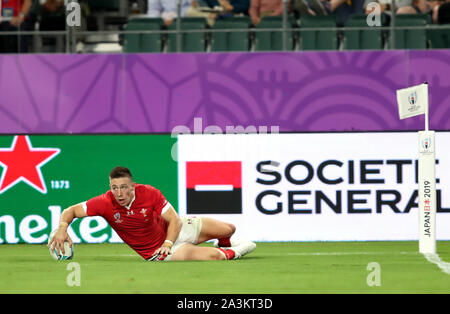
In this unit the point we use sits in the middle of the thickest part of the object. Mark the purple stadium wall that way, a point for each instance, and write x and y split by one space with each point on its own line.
152 93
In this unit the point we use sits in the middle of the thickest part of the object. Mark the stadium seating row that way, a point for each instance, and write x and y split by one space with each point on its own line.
239 35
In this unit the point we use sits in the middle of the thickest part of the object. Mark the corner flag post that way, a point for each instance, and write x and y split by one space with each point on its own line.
413 101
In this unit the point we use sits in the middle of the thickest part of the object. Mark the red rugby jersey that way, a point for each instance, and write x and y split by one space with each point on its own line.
15 6
140 224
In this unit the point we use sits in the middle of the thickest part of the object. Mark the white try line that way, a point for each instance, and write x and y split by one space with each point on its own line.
435 259
432 258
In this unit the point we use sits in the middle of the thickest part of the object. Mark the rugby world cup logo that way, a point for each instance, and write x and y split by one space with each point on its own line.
412 98
117 217
426 143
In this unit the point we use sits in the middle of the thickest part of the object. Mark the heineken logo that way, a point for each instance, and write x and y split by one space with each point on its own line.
22 163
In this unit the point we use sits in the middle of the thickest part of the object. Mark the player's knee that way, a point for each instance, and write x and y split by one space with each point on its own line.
232 229
216 255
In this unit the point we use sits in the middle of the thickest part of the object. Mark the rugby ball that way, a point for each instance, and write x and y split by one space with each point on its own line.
68 250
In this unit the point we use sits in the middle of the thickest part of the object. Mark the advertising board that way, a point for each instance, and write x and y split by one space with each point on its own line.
311 186
41 175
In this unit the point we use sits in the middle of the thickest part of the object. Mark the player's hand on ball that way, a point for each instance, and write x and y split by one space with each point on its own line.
161 253
58 241
163 250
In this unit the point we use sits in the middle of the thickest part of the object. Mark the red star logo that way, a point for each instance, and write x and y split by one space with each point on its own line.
23 162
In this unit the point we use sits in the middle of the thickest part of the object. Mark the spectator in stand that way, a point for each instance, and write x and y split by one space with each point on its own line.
344 8
444 13
15 15
398 3
53 5
341 8
441 12
53 15
416 7
310 7
260 8
194 11
369 9
231 7
167 9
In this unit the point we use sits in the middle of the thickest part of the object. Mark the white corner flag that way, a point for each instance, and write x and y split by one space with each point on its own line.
413 101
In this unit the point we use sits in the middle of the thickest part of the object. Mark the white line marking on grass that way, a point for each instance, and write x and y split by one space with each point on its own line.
83 255
435 259
432 258
345 253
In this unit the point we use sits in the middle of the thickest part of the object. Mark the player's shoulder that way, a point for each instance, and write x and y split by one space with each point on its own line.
150 196
145 189
98 204
106 197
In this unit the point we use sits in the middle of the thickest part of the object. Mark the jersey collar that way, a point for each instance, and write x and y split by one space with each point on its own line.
131 203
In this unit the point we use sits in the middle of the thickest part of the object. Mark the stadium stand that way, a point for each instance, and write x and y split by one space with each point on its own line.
104 17
50 18
190 41
365 37
231 40
107 12
144 42
415 38
439 38
272 40
318 39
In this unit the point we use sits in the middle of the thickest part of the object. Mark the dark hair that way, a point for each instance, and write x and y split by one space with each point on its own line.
120 172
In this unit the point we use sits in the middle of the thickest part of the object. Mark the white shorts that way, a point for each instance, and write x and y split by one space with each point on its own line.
189 233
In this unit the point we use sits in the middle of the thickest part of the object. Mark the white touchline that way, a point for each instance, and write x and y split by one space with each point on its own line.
432 258
435 259
214 187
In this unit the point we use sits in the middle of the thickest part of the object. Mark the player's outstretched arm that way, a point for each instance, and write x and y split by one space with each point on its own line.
173 230
61 235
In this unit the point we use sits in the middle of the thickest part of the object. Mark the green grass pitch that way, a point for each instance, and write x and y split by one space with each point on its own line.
297 267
